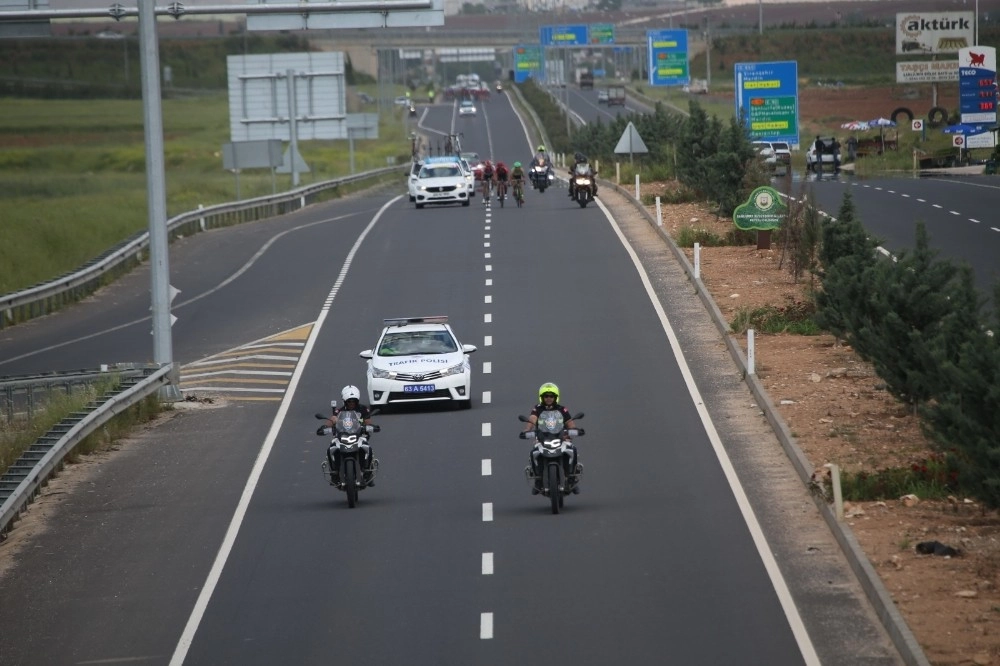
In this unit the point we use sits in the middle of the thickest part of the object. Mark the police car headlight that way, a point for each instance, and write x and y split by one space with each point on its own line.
456 369
379 373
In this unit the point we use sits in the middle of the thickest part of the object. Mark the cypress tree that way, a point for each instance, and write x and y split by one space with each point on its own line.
907 303
964 419
848 262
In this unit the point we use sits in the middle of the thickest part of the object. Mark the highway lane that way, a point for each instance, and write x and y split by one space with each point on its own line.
652 559
959 212
408 562
236 285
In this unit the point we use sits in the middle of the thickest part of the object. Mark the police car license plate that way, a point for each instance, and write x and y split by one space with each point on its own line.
419 388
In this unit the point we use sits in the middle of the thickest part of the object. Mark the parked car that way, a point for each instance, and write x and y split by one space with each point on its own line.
826 158
777 154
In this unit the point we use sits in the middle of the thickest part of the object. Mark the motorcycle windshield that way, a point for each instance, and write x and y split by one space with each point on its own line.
541 161
348 423
582 169
550 422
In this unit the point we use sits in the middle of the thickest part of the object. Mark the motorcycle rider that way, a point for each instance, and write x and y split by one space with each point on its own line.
578 159
548 400
542 158
351 397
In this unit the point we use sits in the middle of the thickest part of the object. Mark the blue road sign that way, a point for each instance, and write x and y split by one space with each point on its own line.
767 94
667 51
563 35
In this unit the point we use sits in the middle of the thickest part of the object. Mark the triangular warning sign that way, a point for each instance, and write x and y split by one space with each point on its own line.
630 142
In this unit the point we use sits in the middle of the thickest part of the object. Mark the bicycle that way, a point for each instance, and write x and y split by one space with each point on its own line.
501 191
519 192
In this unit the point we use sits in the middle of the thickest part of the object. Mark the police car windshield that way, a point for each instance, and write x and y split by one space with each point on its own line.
410 343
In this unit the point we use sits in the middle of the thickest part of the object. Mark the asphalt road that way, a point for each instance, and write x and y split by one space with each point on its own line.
959 212
214 539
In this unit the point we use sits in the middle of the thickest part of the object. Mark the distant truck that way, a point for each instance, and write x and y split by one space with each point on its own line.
616 95
585 79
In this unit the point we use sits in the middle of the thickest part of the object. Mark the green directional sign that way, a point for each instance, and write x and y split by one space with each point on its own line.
763 211
527 62
602 33
772 116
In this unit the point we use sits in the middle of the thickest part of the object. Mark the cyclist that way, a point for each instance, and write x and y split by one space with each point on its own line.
503 176
517 179
489 177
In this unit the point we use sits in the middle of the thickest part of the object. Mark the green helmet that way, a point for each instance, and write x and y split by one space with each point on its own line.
541 149
517 165
548 387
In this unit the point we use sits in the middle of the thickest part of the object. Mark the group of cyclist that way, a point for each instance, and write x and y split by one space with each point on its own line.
498 177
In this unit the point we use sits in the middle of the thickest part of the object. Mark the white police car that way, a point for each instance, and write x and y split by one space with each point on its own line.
440 180
419 359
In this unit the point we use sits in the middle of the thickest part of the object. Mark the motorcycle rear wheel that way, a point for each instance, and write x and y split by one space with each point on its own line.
351 482
555 495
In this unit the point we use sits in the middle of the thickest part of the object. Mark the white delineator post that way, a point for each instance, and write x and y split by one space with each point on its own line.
637 187
659 213
697 261
618 173
750 353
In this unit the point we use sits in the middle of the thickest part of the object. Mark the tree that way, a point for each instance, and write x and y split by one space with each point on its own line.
847 262
908 303
964 420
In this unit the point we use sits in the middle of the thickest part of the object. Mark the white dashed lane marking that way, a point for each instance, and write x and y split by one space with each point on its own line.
487 467
487 564
487 512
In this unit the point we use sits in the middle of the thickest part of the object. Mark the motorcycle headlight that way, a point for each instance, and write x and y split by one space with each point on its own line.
379 373
456 369
583 181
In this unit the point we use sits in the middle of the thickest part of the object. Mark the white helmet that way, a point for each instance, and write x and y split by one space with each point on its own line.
350 393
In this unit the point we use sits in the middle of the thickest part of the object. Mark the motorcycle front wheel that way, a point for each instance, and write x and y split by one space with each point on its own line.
555 495
351 482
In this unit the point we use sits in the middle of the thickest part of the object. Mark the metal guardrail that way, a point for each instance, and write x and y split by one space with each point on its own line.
50 296
43 459
21 396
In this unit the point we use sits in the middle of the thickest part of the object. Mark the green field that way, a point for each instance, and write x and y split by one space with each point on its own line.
72 174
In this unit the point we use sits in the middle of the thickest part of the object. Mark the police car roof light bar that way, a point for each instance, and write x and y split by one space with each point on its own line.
403 321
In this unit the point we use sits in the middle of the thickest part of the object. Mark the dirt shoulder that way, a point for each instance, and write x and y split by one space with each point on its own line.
838 411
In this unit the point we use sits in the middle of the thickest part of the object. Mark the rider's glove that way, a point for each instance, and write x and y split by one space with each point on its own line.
321 430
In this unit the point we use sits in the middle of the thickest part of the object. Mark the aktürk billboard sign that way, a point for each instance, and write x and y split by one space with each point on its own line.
933 32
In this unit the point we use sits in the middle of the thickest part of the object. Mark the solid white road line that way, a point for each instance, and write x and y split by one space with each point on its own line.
767 557
191 628
487 467
487 564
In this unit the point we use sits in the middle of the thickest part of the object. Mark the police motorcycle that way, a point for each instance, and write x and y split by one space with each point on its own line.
349 449
540 174
413 109
583 184
554 472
